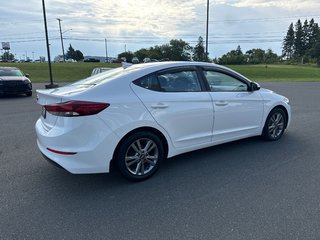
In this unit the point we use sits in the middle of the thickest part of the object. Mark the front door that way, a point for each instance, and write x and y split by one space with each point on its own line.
237 112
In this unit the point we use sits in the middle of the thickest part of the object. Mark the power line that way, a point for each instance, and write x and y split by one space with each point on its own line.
216 39
26 22
131 19
24 34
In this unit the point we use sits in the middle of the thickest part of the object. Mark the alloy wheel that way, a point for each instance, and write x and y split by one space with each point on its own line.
276 125
142 156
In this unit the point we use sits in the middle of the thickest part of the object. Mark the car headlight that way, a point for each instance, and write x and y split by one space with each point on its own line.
286 100
26 81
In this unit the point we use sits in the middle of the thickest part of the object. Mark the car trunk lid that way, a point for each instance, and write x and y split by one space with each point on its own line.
57 95
46 97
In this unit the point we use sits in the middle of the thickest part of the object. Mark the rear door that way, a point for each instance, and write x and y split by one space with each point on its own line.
176 100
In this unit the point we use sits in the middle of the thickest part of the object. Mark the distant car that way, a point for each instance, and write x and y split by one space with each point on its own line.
14 81
70 60
135 60
138 115
91 60
99 70
147 60
117 61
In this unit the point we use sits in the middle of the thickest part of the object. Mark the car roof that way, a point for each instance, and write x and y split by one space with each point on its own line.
158 66
130 72
169 64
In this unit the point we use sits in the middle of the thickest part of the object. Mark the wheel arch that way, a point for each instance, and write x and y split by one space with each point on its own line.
284 109
142 129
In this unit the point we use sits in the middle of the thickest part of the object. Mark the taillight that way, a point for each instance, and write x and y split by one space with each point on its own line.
76 108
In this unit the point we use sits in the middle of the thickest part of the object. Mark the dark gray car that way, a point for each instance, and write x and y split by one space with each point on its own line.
14 81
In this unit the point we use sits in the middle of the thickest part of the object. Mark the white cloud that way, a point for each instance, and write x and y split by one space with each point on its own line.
285 4
142 23
159 18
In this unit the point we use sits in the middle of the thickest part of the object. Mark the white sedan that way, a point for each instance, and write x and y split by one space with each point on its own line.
138 115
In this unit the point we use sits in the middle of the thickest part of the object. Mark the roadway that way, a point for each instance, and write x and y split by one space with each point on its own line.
249 189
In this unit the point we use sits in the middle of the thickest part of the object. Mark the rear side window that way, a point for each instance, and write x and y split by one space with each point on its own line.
148 82
177 81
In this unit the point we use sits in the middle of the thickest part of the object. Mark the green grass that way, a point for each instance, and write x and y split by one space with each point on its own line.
61 72
68 72
279 73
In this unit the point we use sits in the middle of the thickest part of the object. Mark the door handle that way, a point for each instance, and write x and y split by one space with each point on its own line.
159 105
221 103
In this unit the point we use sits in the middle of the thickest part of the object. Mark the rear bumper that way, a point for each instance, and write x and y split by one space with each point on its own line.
93 145
52 162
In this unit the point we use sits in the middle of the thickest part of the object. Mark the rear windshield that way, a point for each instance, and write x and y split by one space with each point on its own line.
105 76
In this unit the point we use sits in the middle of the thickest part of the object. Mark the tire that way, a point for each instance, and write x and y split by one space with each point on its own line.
29 94
140 155
275 125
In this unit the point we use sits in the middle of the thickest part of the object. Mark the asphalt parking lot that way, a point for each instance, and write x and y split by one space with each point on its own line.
249 189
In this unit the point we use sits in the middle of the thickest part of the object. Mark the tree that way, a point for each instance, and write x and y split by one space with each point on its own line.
301 41
233 57
313 32
6 56
271 57
255 56
199 53
78 55
179 50
142 54
70 53
288 43
74 54
239 51
305 36
298 41
315 51
128 55
159 52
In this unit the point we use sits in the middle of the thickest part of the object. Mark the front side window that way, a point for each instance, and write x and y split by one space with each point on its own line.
220 82
179 81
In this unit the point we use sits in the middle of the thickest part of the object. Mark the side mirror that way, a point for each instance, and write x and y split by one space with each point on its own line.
27 75
254 86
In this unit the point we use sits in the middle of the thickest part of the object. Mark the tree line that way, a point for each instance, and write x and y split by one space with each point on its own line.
302 42
252 56
175 50
300 45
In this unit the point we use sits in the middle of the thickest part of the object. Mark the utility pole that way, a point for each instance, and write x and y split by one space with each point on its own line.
51 85
105 43
207 29
64 58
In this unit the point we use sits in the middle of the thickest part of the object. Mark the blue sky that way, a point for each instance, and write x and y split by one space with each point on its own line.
132 25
